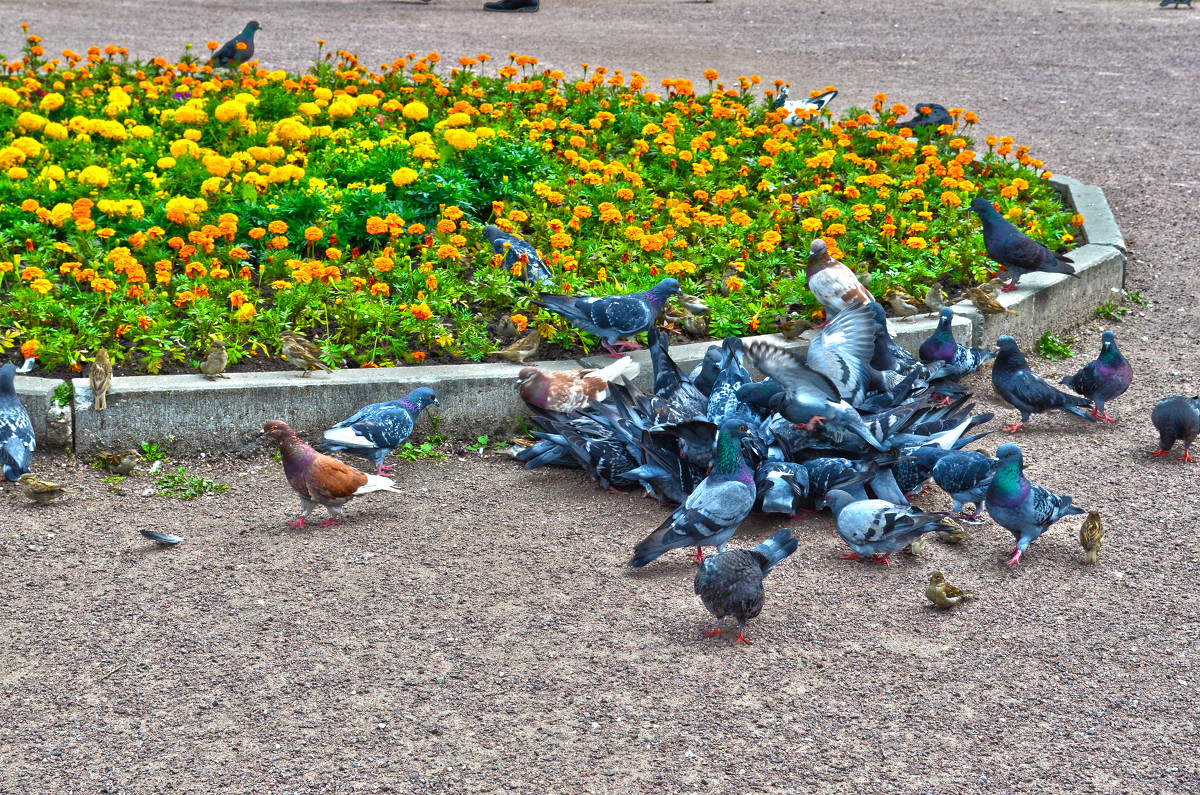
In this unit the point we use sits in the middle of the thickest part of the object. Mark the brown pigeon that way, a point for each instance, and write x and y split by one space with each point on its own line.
834 285
567 390
319 479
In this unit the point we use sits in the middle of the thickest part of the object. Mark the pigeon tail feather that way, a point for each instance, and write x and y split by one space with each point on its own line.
377 483
776 548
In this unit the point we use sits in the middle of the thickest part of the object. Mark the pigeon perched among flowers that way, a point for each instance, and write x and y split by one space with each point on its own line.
564 391
790 106
730 583
614 317
518 252
375 430
1028 393
1024 509
319 479
874 529
717 507
231 54
834 285
17 441
1105 379
302 353
1177 418
928 114
1016 251
942 347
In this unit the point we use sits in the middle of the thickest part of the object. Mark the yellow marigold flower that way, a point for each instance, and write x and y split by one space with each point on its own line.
831 214
915 242
458 120
231 110
462 140
343 108
811 225
246 313
16 173
281 284
404 176
95 176
43 286
836 229
51 102
31 122
9 97
415 110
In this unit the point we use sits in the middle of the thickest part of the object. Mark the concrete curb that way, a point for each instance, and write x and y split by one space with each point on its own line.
190 414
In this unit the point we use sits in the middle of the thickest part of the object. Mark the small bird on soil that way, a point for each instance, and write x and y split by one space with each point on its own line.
118 463
1024 509
942 593
790 106
693 304
927 114
730 583
986 304
516 250
564 391
231 54
942 347
1016 384
100 378
302 353
17 440
834 285
215 363
874 529
375 430
952 532
1177 418
1105 379
1015 250
903 304
41 491
614 317
319 479
523 348
1091 536
162 538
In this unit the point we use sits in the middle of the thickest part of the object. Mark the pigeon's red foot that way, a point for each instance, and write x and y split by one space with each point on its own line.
821 325
615 490
327 522
811 424
1187 457
1008 288
698 555
804 513
1013 427
624 345
741 638
942 400
1096 415
1161 453
712 632
881 559
298 523
851 556
1015 559
385 470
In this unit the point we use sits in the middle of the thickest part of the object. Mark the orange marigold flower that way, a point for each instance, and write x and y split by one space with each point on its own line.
446 251
257 233
446 226
416 229
277 227
710 75
420 311
312 234
237 298
29 349
520 321
418 356
733 284
380 288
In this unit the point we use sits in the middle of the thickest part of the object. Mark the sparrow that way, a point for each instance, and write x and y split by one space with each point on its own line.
942 593
118 463
100 378
41 491
986 303
302 353
902 303
523 348
214 366
1091 536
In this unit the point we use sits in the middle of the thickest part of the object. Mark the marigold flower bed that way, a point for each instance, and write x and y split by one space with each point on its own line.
148 207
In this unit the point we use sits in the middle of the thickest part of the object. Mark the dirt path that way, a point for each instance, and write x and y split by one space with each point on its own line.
482 634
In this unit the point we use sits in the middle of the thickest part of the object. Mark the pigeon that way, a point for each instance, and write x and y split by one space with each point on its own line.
1012 248
41 491
843 350
986 303
302 353
833 284
377 429
213 367
1175 3
1091 536
874 529
523 348
670 383
704 374
231 54
928 115
730 583
99 379
1104 379
1029 394
613 317
118 463
564 391
964 475
1024 509
162 538
715 510
517 251
813 104
942 593
732 376
17 441
1176 418
942 347
319 479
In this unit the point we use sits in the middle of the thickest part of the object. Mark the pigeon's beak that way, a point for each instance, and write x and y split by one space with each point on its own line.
437 402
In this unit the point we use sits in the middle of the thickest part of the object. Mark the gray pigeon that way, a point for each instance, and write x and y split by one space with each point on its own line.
670 382
928 114
516 250
1177 418
1105 379
1025 509
377 429
843 351
965 476
942 347
614 317
1016 251
815 104
875 529
723 398
1029 394
16 431
715 510
230 55
730 583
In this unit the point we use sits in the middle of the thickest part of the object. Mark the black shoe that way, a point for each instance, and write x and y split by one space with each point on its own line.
528 6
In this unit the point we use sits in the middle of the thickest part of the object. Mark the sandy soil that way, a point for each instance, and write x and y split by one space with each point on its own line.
482 633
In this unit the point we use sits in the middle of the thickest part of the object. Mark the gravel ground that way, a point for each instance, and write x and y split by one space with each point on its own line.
482 633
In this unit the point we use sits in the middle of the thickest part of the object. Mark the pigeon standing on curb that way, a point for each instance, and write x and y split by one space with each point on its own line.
319 479
231 54
730 583
17 440
614 317
1177 418
1024 509
942 347
1016 251
1028 393
375 430
834 285
564 391
875 529
1105 379
516 250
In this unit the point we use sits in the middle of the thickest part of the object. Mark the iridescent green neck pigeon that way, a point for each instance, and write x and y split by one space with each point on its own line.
614 317
1015 250
730 583
1105 379
1177 418
230 55
713 512
16 431
942 347
1015 382
1025 509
